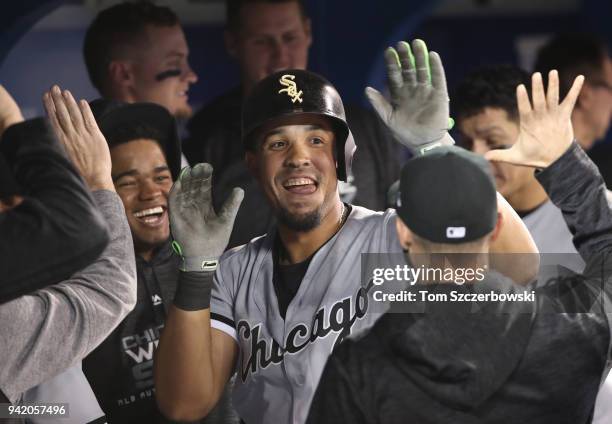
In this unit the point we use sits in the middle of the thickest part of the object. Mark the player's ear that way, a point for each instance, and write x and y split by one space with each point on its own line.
120 74
403 233
498 225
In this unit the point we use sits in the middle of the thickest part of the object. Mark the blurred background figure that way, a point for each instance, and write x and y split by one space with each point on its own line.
263 37
582 54
574 54
137 52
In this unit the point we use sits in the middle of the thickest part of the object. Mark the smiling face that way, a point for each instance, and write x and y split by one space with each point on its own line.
492 129
160 70
295 165
271 37
142 180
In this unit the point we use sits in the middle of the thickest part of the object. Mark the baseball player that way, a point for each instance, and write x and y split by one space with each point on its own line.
274 309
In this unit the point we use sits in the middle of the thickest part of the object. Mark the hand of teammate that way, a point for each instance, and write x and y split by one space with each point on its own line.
418 112
75 127
545 129
9 110
201 234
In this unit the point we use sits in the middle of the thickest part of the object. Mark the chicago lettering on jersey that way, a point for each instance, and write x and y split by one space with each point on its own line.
140 349
340 320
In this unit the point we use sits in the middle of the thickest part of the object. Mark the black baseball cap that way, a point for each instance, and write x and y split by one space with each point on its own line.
112 115
448 196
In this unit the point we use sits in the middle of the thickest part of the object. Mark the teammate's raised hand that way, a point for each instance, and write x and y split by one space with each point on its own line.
75 127
200 234
545 129
418 111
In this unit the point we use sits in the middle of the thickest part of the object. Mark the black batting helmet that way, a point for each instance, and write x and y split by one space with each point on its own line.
298 92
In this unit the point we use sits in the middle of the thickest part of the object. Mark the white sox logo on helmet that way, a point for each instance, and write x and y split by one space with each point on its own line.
287 80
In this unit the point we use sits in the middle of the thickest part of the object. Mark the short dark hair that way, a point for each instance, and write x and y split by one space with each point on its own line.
491 86
130 132
118 25
572 55
233 8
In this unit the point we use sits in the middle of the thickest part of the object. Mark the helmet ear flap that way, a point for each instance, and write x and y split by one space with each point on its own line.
344 151
349 150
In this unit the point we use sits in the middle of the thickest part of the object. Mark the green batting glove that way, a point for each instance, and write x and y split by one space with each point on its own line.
418 113
200 234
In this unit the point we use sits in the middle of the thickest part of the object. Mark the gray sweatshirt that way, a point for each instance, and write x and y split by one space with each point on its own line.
45 332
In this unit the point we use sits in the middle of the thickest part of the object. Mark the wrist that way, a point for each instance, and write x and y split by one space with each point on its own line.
194 290
194 263
104 183
446 140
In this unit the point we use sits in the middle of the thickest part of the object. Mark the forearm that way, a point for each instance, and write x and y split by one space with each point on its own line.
184 374
193 361
46 332
574 184
515 254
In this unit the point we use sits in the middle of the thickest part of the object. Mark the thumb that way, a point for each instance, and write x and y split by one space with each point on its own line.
173 196
379 103
232 204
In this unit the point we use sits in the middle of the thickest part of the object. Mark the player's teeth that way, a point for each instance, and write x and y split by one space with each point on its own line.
299 181
150 211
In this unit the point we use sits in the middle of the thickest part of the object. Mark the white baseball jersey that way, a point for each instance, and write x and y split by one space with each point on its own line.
281 360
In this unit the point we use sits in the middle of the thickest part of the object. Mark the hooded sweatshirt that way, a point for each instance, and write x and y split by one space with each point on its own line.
120 370
517 365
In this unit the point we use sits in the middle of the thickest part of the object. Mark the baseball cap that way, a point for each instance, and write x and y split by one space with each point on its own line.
448 196
112 115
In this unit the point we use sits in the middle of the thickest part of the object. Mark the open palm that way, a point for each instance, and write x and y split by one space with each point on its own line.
418 111
201 234
545 128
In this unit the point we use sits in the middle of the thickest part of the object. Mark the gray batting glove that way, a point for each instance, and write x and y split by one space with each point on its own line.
200 235
418 112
